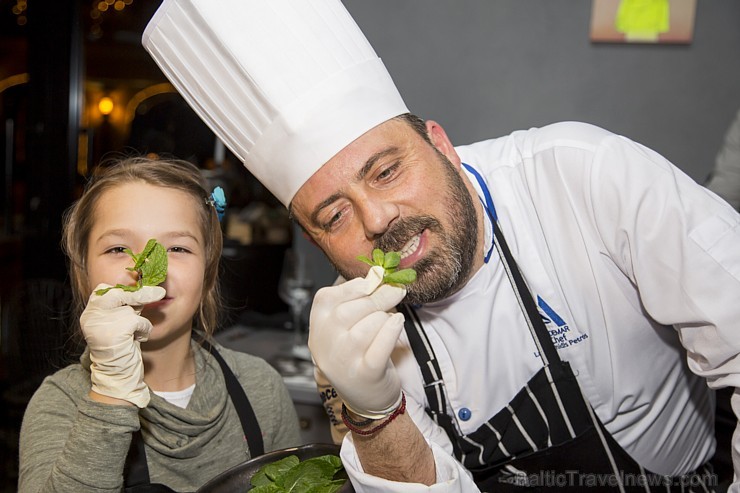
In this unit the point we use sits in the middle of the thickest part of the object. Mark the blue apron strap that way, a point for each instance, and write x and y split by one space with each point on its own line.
486 193
487 203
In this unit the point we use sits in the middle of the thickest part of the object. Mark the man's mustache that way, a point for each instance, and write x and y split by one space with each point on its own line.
403 229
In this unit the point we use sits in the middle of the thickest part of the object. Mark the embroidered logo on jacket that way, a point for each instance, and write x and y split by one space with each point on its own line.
560 332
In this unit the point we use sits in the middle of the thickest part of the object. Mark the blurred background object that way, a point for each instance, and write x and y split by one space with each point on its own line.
77 88
295 288
724 180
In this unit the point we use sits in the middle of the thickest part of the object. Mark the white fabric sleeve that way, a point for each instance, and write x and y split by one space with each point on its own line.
680 245
452 477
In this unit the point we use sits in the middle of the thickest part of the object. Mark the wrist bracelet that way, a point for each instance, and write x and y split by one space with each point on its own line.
349 421
354 426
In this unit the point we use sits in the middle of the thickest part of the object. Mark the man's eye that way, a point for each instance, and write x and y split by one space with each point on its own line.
388 172
333 221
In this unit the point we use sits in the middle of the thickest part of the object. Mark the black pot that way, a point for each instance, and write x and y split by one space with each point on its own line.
238 478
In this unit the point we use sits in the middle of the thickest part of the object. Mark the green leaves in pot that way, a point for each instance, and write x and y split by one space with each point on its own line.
290 474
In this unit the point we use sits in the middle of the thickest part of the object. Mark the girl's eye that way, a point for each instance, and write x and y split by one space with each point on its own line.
178 250
115 250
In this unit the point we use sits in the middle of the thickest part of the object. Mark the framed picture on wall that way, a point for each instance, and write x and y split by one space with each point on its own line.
643 21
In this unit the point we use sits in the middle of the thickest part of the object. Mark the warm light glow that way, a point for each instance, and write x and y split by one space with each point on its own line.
119 5
105 105
143 95
13 80
82 153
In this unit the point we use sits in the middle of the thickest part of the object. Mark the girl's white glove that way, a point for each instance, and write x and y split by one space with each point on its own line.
113 328
351 338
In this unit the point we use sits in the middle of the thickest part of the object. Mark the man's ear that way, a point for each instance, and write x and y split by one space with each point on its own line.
439 139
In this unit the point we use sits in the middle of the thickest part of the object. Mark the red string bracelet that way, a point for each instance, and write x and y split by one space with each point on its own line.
352 425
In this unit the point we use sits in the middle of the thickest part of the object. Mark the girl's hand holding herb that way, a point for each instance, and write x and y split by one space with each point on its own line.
113 328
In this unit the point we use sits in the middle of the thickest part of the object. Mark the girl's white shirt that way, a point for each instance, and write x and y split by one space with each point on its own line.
179 398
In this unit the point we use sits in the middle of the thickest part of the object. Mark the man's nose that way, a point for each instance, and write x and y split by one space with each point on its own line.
377 216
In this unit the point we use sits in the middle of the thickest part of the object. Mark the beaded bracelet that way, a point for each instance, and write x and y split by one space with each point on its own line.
349 421
354 426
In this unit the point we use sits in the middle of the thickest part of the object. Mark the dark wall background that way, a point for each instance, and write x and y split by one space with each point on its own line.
484 68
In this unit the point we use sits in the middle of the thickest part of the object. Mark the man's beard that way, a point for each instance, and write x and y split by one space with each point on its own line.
446 268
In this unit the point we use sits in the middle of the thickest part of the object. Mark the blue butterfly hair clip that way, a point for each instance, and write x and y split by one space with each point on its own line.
218 201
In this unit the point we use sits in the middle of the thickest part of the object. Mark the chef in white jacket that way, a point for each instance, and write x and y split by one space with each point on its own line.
576 294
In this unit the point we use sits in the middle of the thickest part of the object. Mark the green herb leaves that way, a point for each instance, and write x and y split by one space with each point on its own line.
389 261
150 264
315 475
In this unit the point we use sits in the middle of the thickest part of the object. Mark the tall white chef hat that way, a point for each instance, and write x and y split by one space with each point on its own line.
285 84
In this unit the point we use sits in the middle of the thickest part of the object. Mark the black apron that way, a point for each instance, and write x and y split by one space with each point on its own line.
136 470
548 437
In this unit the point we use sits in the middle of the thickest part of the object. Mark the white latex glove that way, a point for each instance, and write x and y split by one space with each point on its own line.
352 336
113 328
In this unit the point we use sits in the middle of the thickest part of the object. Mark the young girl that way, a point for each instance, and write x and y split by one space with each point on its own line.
151 401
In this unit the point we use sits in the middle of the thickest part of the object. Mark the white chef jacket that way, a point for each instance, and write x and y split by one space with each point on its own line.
636 269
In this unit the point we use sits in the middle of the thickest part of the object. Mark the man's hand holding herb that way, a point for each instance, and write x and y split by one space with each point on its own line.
351 337
113 328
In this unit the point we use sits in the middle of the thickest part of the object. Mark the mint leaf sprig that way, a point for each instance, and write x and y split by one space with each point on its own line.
389 262
150 265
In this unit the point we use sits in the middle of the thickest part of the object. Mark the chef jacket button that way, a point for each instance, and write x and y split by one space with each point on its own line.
464 414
